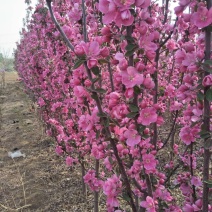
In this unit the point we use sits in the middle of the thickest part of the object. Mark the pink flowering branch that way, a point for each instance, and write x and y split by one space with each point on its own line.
206 121
58 26
98 102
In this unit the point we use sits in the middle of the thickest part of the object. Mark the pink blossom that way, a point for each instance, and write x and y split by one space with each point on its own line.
97 152
132 137
179 9
163 193
171 45
79 50
131 77
123 64
149 162
196 181
79 91
202 17
188 134
176 106
184 2
69 161
142 3
188 208
186 189
90 179
180 56
108 164
189 59
91 49
111 189
117 11
92 63
147 116
75 14
129 93
113 99
120 111
41 102
59 150
85 122
207 81
149 83
124 18
149 204
124 4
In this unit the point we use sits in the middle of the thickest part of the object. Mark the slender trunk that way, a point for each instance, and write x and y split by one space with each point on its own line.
155 98
84 190
206 121
96 193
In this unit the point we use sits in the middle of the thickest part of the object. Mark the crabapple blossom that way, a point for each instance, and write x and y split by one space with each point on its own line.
131 77
149 204
202 18
132 137
128 99
147 116
207 81
149 162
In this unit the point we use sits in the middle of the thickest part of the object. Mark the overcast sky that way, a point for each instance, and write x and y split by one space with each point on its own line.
12 13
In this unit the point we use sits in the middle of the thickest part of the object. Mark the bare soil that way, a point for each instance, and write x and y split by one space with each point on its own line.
40 181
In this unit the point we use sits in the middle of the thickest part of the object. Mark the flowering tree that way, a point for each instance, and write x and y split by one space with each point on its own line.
126 92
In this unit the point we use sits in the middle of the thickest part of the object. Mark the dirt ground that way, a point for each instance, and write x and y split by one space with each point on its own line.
40 181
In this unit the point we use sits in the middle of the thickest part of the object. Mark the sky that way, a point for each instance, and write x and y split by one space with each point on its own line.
12 13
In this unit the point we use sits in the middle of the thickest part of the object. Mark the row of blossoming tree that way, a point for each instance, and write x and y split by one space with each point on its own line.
125 88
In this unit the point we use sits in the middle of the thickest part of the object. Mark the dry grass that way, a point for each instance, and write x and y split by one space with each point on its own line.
39 182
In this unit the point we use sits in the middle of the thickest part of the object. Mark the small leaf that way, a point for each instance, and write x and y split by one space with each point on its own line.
110 160
129 38
209 183
100 90
129 53
78 63
132 115
115 122
101 115
95 79
208 143
126 197
102 61
96 70
209 95
207 68
106 122
206 65
131 47
205 134
208 62
141 128
133 108
97 134
137 90
200 96
94 96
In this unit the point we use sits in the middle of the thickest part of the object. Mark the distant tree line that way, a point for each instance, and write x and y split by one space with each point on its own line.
6 62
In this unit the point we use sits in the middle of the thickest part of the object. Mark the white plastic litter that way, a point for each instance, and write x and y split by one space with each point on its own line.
16 154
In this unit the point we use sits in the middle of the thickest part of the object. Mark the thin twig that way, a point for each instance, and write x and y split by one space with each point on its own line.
58 26
171 131
84 21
